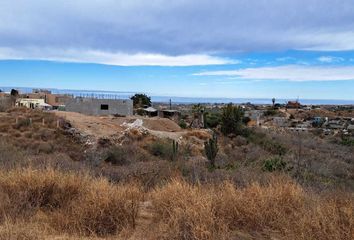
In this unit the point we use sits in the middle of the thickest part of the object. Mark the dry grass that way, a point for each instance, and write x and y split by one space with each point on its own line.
69 203
281 207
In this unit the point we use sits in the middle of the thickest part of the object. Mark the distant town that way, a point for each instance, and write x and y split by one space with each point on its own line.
325 120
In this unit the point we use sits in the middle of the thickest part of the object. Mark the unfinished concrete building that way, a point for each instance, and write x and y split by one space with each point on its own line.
92 106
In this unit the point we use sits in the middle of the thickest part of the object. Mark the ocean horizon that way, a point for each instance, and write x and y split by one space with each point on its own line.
181 100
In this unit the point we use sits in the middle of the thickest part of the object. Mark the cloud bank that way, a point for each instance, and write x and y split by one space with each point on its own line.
108 58
288 73
163 29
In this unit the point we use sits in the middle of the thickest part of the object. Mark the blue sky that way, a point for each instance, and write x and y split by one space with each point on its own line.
201 48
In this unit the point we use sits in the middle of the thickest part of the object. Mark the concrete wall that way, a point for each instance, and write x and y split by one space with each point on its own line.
91 106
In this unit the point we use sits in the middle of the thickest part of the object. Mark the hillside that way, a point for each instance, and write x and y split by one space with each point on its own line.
71 176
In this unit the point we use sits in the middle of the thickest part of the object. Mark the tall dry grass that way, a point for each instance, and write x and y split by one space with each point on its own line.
280 208
67 203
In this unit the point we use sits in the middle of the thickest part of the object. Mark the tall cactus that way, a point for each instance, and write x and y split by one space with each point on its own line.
211 149
175 148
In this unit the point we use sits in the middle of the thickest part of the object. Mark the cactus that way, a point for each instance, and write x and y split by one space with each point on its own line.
211 149
175 148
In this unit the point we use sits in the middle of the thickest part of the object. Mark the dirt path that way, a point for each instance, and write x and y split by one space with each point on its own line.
143 223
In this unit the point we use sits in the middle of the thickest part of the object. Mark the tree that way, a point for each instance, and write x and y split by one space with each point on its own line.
14 92
231 119
273 101
140 100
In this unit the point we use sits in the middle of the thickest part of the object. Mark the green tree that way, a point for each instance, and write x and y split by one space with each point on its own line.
140 100
231 119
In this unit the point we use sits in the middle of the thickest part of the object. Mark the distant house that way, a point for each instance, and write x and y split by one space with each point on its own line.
55 100
174 115
150 111
280 122
293 105
336 124
92 106
254 116
32 103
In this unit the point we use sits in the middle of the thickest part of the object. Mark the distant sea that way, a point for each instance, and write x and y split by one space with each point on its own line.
182 100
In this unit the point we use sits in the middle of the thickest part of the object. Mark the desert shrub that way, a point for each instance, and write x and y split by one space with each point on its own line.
10 156
45 147
22 123
274 164
347 142
212 120
161 148
182 124
266 143
27 134
270 112
117 155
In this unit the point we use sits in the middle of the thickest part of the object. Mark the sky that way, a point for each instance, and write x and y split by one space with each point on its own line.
201 48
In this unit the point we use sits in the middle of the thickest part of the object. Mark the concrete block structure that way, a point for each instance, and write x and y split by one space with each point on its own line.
92 106
29 102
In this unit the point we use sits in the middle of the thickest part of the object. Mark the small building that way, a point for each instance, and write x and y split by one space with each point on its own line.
150 112
93 106
57 100
280 121
174 115
254 116
29 102
293 105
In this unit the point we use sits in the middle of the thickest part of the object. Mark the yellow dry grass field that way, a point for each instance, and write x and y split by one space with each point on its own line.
48 204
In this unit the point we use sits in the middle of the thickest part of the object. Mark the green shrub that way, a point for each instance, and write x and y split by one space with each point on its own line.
212 120
45 147
270 112
182 124
23 122
274 147
267 144
161 148
347 142
117 155
274 164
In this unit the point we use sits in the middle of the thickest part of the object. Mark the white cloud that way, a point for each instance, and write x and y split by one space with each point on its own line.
288 73
330 59
107 58
283 59
178 27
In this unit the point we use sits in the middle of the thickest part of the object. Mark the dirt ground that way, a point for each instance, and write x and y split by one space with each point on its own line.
107 126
